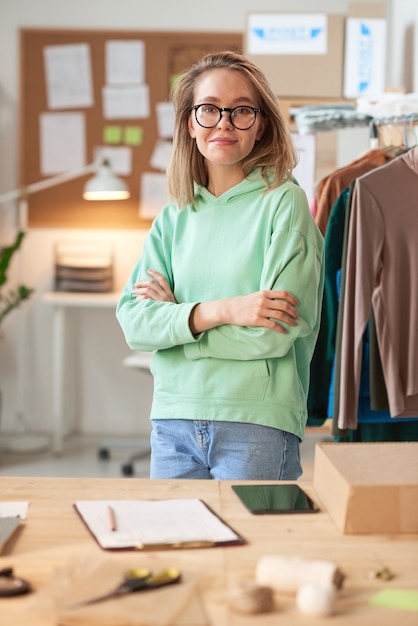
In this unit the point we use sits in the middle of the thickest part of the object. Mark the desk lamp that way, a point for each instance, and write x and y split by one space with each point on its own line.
103 186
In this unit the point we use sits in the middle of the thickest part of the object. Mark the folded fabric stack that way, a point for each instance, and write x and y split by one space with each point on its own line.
313 119
86 269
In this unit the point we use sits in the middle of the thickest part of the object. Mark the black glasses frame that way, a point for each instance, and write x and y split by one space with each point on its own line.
196 107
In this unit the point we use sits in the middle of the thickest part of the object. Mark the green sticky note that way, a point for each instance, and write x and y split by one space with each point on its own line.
112 134
403 599
173 79
133 135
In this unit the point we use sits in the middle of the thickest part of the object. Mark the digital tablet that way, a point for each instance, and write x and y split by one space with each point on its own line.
275 499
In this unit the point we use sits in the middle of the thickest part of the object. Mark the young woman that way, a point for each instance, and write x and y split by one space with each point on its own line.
229 287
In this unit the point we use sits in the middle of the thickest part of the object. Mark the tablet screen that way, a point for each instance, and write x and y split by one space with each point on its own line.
264 499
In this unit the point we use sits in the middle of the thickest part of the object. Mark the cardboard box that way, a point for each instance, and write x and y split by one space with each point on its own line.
368 488
365 50
301 54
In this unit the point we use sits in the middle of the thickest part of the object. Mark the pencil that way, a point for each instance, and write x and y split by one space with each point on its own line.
112 519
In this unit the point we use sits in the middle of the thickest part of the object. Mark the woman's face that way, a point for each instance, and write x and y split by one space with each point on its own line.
224 145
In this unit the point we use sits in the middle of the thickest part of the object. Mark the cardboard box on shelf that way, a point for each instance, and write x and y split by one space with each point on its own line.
365 49
368 488
301 54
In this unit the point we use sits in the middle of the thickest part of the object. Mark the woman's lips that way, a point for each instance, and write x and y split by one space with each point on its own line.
223 140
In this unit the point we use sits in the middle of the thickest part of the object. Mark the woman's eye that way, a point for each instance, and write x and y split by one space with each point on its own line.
208 108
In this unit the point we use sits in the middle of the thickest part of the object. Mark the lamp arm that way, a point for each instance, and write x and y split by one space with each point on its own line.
48 182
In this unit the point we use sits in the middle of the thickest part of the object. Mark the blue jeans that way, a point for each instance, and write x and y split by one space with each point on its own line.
222 451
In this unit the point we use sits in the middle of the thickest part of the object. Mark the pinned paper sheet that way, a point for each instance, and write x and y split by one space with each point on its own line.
68 76
404 599
165 119
154 194
126 102
119 157
125 62
62 142
161 155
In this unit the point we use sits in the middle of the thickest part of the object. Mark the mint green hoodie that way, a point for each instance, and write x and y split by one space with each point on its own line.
240 242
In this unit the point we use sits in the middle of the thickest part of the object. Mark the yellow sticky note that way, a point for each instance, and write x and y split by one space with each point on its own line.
403 599
133 135
112 134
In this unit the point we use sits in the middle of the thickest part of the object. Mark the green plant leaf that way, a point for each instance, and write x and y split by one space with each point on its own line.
6 254
14 297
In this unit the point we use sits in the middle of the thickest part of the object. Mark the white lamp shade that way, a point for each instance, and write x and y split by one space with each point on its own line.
105 185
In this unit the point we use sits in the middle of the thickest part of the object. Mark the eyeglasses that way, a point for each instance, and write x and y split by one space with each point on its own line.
209 115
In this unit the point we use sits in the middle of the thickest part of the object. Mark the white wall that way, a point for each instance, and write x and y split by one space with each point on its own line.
403 45
110 399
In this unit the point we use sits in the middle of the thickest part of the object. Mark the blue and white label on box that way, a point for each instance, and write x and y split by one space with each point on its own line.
365 57
275 33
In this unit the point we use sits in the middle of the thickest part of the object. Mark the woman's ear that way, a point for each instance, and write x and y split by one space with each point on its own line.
261 128
191 127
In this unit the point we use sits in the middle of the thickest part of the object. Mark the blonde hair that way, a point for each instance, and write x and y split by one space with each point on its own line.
274 153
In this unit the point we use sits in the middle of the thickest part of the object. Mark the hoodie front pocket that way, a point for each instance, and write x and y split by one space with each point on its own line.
210 378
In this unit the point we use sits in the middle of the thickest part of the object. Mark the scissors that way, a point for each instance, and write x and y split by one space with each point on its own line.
10 585
136 579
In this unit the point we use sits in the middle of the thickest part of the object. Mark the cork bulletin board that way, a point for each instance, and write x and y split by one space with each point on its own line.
166 54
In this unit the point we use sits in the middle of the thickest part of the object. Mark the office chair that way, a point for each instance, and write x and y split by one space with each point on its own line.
141 361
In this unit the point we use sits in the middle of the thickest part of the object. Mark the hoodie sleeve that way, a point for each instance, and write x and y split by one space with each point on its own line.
149 325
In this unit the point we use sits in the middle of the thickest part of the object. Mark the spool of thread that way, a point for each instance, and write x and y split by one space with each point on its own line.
316 599
288 574
251 599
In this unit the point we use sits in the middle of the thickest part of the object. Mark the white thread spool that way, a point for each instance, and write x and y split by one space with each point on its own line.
288 574
316 599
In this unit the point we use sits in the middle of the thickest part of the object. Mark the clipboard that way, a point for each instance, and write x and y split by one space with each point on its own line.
155 524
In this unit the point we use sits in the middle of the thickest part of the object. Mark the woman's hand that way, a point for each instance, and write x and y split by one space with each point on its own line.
156 289
274 309
262 308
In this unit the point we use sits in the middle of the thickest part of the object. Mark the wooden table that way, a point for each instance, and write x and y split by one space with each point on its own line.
53 535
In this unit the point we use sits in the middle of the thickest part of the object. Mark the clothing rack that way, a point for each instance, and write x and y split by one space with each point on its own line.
399 129
344 189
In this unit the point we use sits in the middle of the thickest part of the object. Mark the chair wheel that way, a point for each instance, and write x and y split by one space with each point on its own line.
127 469
103 454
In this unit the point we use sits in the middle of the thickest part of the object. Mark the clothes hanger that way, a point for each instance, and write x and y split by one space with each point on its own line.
412 132
396 143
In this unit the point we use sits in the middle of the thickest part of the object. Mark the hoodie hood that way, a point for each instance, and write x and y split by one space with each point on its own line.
253 182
